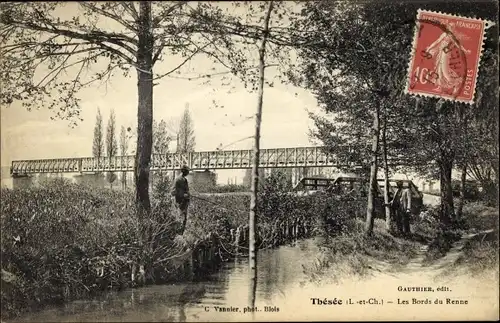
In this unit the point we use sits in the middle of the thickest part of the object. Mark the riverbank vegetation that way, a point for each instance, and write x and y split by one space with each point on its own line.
351 253
62 241
480 251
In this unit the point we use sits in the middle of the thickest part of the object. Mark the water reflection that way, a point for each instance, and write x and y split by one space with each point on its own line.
279 270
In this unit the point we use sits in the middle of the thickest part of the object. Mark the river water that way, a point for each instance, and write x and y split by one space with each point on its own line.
279 270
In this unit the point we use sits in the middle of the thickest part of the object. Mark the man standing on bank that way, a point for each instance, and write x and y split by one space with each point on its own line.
181 194
401 209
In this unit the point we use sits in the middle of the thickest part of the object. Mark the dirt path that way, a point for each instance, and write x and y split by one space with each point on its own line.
390 293
417 266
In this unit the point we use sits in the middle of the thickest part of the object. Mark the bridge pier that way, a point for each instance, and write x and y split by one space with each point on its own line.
91 179
22 181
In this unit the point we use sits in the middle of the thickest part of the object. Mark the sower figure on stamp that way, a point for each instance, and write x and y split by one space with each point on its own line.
180 192
442 52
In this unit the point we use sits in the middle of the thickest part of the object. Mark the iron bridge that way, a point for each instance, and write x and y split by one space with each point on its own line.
219 159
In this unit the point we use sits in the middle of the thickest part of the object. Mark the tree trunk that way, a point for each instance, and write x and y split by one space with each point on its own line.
145 110
463 181
255 165
124 180
464 160
447 212
144 133
373 172
388 215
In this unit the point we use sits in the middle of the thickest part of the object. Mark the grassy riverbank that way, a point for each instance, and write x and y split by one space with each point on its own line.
351 253
480 251
63 241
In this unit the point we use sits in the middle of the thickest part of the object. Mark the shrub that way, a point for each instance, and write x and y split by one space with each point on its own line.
226 188
61 241
480 253
349 254
323 212
479 216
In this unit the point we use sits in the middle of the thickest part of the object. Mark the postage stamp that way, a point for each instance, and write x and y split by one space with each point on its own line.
446 54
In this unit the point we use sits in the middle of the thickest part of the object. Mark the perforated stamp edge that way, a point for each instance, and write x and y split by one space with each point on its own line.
487 24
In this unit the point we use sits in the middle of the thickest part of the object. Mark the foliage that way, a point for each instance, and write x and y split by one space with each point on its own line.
123 145
478 216
440 246
123 141
111 143
322 213
351 253
161 142
161 138
187 138
55 239
217 215
425 226
480 143
162 200
98 142
228 188
480 253
363 49
354 81
472 192
64 241
97 37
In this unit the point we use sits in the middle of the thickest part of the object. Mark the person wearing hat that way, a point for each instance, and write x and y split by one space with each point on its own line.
181 194
401 208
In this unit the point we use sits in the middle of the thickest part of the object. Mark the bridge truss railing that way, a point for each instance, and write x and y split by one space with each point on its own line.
222 159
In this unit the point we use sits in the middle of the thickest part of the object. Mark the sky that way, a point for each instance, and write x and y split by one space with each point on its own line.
285 122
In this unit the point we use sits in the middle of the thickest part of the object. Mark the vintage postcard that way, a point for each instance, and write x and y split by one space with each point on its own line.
249 161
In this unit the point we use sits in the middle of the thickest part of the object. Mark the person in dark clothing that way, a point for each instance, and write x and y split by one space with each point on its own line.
180 192
395 205
405 210
401 208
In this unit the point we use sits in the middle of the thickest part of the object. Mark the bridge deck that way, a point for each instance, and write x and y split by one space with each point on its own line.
221 159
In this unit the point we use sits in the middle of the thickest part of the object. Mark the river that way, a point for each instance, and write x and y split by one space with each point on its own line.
279 271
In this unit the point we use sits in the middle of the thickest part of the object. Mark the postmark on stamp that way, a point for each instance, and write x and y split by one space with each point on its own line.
446 54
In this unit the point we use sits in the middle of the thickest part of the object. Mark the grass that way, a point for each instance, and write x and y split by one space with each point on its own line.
352 253
480 253
64 241
476 217
479 217
440 246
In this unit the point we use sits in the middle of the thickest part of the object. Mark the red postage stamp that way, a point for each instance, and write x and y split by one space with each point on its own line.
446 54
